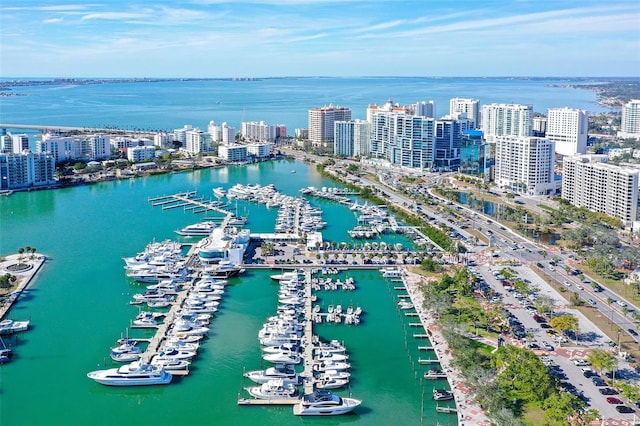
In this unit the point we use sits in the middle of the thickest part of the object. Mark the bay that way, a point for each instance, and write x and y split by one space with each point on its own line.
171 104
79 307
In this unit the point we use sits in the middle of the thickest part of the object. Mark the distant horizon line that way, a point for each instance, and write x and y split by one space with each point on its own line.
50 78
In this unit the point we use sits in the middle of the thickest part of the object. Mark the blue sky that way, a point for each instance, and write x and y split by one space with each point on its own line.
261 38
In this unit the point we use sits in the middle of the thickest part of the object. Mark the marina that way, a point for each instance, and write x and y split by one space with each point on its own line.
228 350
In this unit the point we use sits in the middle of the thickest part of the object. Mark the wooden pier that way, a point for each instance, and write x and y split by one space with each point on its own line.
428 361
308 335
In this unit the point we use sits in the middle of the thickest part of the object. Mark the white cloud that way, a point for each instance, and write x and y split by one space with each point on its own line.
52 20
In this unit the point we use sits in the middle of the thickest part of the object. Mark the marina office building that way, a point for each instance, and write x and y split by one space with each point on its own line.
589 181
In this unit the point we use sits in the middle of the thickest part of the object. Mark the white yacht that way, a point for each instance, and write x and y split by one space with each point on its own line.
284 372
391 272
200 229
126 352
324 403
403 304
134 374
283 357
8 326
171 364
274 389
219 192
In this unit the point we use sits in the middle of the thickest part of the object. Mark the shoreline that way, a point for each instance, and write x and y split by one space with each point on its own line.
468 411
25 278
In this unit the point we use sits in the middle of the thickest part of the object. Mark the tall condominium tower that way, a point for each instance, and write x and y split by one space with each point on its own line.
352 138
630 126
506 120
403 139
588 181
568 128
321 123
470 107
524 164
447 142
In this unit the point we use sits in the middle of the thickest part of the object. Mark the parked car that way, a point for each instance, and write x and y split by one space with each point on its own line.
608 391
613 400
624 409
547 346
581 362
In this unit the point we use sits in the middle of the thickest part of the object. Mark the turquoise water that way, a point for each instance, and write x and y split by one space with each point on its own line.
79 307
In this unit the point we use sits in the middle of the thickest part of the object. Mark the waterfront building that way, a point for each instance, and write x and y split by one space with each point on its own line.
233 152
525 164
15 144
180 135
322 123
258 131
475 156
506 120
630 124
26 170
403 139
138 154
163 140
447 141
198 142
352 138
468 106
61 148
589 181
539 126
228 133
568 128
99 147
259 150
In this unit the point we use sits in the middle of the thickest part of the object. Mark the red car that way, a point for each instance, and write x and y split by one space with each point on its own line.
613 400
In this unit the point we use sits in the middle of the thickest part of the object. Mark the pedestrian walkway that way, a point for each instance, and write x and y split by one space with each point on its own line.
469 412
25 276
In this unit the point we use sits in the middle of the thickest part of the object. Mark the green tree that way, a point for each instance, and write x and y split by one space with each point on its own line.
559 406
564 323
521 374
602 360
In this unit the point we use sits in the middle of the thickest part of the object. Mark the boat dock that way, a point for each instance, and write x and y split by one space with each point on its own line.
252 401
189 201
308 334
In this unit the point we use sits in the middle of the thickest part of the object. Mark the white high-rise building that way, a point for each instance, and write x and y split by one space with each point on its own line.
506 120
180 135
321 123
26 170
258 131
62 148
630 125
470 107
568 128
99 147
352 138
525 164
588 181
228 133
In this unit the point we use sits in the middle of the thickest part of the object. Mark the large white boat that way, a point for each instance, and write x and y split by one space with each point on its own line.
200 229
391 272
442 395
274 389
134 374
282 357
126 352
284 372
219 192
225 270
8 326
324 403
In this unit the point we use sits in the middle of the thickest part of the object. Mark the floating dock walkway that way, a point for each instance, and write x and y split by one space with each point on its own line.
189 201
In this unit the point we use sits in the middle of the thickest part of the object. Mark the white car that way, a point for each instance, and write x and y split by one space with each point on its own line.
566 283
621 303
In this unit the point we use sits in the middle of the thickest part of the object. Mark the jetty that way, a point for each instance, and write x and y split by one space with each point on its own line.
190 200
